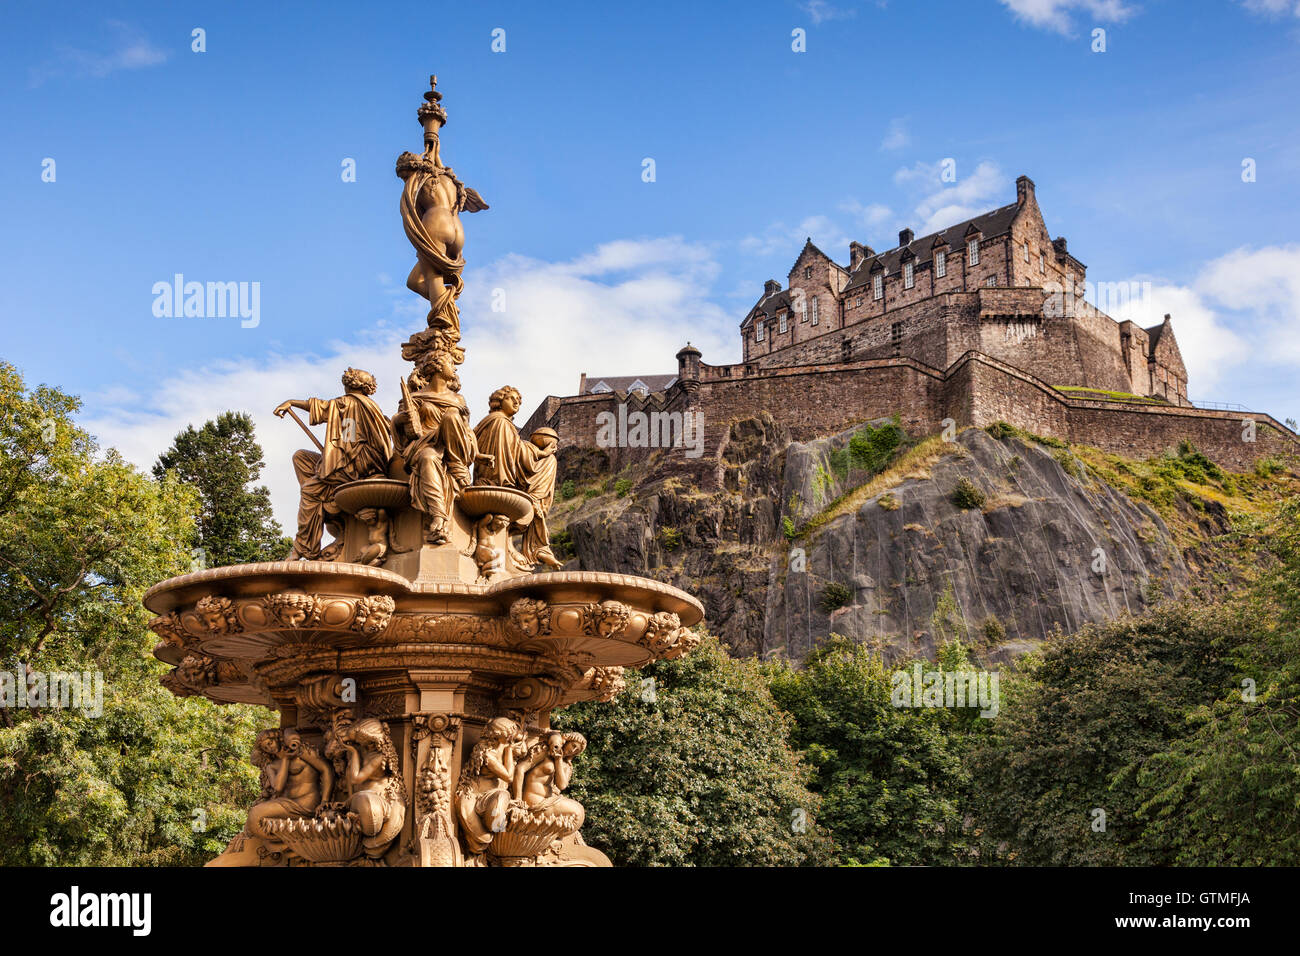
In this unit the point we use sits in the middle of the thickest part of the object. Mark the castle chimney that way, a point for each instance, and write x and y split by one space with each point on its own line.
1059 245
857 252
1024 189
905 237
771 287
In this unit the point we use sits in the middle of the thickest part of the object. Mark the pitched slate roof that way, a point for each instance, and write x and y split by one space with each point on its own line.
623 383
989 224
1155 332
770 305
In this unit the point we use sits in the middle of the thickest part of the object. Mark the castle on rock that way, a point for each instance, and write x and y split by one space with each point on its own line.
987 320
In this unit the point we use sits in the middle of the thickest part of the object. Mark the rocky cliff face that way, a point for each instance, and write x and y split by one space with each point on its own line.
997 541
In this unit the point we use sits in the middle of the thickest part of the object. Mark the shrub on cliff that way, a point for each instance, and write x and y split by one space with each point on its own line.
691 765
966 495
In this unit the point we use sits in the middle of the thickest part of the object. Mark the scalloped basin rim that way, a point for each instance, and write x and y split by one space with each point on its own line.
285 575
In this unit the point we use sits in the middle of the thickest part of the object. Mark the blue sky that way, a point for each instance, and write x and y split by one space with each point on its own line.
225 165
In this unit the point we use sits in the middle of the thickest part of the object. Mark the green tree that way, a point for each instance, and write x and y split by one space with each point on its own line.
82 536
691 766
891 779
1100 705
223 461
1225 792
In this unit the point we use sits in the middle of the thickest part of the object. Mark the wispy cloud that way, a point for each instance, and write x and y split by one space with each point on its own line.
1056 15
1272 8
939 204
819 11
130 50
897 136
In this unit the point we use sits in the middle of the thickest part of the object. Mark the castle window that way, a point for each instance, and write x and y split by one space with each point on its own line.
758 331
859 302
1042 264
785 325
991 281
816 313
909 275
807 272
1026 252
973 252
803 317
896 336
941 264
878 286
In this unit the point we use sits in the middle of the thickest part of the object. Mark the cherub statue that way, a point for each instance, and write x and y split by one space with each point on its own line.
295 781
379 541
490 558
484 790
369 768
358 444
541 776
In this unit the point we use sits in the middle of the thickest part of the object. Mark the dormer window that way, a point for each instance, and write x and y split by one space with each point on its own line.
909 274
816 313
878 286
758 331
785 324
940 264
972 252
599 388
639 387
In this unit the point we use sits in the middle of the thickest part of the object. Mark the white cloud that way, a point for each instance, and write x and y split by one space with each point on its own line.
1264 285
1272 8
869 215
624 308
131 50
1209 348
896 136
939 204
1055 15
1242 307
820 11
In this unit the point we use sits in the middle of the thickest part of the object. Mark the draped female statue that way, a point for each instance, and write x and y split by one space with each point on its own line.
432 426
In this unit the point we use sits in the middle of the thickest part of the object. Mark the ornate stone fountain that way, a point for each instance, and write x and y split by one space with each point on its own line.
415 660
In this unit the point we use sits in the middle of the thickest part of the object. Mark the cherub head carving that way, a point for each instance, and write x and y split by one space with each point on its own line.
530 617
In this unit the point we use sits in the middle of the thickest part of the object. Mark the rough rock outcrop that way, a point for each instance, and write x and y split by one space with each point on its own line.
772 538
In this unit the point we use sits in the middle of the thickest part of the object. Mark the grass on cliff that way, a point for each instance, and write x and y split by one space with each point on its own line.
914 462
1103 394
1182 485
